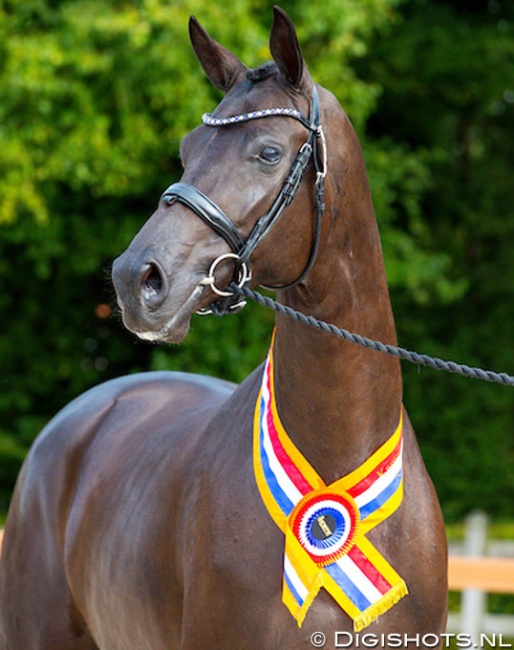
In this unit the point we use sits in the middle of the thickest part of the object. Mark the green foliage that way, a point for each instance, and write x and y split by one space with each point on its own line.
447 100
94 100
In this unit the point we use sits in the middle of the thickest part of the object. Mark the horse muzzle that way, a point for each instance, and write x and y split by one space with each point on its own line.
157 302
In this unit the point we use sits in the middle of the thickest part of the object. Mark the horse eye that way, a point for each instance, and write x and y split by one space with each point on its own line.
270 155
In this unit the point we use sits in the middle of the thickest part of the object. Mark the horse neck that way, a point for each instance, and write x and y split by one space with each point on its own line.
338 401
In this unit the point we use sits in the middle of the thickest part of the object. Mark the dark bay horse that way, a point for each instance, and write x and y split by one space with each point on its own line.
137 522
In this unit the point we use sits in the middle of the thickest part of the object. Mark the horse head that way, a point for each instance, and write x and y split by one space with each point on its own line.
249 185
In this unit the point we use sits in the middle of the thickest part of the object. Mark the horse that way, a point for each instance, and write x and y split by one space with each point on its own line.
137 520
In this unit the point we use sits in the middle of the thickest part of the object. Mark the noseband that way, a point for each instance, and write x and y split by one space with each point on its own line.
214 216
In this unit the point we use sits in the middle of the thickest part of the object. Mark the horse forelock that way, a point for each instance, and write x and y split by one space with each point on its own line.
263 72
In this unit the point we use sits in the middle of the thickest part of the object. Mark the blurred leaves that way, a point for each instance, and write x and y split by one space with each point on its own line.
446 72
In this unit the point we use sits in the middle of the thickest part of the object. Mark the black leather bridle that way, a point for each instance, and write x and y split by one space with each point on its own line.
214 216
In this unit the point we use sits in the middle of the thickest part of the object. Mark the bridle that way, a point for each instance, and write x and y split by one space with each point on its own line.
214 216
231 301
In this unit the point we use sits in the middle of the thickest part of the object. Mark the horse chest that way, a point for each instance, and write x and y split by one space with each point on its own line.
237 595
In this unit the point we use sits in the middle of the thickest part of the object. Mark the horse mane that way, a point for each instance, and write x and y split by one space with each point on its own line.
263 72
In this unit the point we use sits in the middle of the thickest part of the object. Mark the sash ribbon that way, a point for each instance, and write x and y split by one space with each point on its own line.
325 526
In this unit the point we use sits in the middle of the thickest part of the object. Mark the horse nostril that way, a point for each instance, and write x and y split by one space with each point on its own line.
152 280
153 285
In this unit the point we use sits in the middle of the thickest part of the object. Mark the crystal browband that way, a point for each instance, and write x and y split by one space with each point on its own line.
209 120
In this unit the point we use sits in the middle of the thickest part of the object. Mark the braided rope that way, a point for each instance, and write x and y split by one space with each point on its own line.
392 350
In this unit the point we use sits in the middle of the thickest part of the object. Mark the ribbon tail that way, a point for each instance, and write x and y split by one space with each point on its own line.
299 612
380 607
302 579
385 578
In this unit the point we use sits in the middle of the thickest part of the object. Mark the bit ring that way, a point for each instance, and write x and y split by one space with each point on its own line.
244 275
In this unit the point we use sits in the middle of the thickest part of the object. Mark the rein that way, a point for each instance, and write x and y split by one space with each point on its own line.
214 216
392 350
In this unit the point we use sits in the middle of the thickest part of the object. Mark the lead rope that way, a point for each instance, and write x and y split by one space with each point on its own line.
392 350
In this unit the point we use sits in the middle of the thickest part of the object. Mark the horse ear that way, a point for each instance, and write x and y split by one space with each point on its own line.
285 48
221 66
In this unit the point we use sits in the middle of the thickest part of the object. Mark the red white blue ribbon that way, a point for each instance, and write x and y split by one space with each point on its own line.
325 526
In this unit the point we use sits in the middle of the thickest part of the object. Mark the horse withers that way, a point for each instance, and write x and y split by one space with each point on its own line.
168 510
